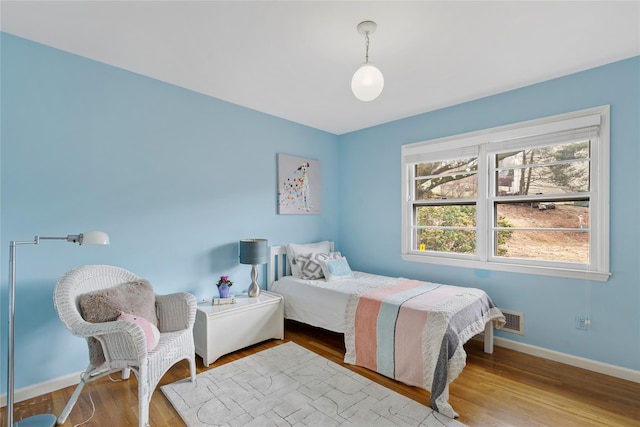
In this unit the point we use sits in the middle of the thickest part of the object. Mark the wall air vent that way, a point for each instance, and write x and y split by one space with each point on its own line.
515 322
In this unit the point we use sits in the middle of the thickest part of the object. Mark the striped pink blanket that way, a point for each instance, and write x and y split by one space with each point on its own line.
413 332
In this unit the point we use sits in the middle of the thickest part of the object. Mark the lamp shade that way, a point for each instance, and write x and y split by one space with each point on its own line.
253 251
94 238
367 82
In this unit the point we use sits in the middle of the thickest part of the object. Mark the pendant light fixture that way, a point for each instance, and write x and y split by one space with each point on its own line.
367 82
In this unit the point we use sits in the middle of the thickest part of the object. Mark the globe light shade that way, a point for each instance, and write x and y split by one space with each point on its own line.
367 82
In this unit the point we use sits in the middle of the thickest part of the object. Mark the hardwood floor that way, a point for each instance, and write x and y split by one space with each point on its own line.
506 388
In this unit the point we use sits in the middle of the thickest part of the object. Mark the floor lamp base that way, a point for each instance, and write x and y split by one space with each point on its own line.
41 420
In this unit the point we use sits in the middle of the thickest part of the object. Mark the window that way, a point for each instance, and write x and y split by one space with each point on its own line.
531 197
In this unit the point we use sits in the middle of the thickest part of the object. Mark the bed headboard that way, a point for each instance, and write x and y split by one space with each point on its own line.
277 265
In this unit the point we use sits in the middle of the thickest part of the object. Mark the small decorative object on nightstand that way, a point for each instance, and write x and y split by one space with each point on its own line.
254 252
223 286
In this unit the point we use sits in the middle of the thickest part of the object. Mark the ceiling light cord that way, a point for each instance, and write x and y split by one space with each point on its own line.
366 55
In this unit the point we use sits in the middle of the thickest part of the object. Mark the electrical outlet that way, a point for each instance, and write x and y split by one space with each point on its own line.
582 322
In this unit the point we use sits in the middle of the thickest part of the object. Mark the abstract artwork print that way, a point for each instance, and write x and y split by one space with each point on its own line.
299 185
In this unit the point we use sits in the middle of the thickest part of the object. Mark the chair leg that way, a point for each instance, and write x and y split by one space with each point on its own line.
74 397
143 410
126 372
144 396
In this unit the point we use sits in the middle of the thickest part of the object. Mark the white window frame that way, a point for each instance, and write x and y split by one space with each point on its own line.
486 142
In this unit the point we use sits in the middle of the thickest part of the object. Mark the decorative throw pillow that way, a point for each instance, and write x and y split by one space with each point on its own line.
309 264
336 269
151 332
294 250
105 305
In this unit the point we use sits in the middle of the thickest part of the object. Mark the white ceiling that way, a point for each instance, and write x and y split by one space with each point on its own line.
295 59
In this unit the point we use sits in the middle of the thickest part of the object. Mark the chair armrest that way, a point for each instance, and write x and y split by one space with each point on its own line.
176 312
121 339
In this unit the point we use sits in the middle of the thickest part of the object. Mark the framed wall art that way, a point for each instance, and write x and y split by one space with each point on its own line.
299 185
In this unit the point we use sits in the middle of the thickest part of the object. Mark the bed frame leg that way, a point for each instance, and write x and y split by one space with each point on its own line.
488 337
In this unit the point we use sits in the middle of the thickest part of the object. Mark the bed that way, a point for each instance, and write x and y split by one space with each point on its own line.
388 323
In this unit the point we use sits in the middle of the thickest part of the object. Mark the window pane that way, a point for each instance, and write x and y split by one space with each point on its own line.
557 169
446 216
544 243
542 155
569 246
446 167
556 179
572 214
452 179
446 240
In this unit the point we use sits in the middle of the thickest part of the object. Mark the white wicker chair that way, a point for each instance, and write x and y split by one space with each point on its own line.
124 343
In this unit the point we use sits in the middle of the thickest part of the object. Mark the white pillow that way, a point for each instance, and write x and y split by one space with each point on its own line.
336 269
294 250
309 264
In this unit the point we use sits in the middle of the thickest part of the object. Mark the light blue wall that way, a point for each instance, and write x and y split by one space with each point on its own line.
176 178
370 219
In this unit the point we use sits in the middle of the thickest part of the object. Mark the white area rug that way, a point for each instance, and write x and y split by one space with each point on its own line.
288 385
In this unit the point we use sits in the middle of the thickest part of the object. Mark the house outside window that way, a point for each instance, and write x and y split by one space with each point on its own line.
530 197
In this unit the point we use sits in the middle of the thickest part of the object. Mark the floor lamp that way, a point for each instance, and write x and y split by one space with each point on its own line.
89 238
254 252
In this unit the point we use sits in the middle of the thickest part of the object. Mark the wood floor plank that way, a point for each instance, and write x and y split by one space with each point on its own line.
503 389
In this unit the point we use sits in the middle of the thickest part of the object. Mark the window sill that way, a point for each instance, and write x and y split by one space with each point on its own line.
512 268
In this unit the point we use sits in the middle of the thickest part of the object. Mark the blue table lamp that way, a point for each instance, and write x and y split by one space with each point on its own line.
254 252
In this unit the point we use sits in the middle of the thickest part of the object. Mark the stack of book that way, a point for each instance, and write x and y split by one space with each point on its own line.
225 301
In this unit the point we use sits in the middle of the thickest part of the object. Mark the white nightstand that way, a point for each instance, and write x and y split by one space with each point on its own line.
222 329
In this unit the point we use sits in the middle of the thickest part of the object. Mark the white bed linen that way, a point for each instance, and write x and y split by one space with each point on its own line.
321 303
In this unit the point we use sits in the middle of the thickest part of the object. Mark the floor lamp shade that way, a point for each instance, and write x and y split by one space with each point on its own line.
88 238
253 252
94 238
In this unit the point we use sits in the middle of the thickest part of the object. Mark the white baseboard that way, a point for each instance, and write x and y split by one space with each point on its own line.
42 388
568 359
